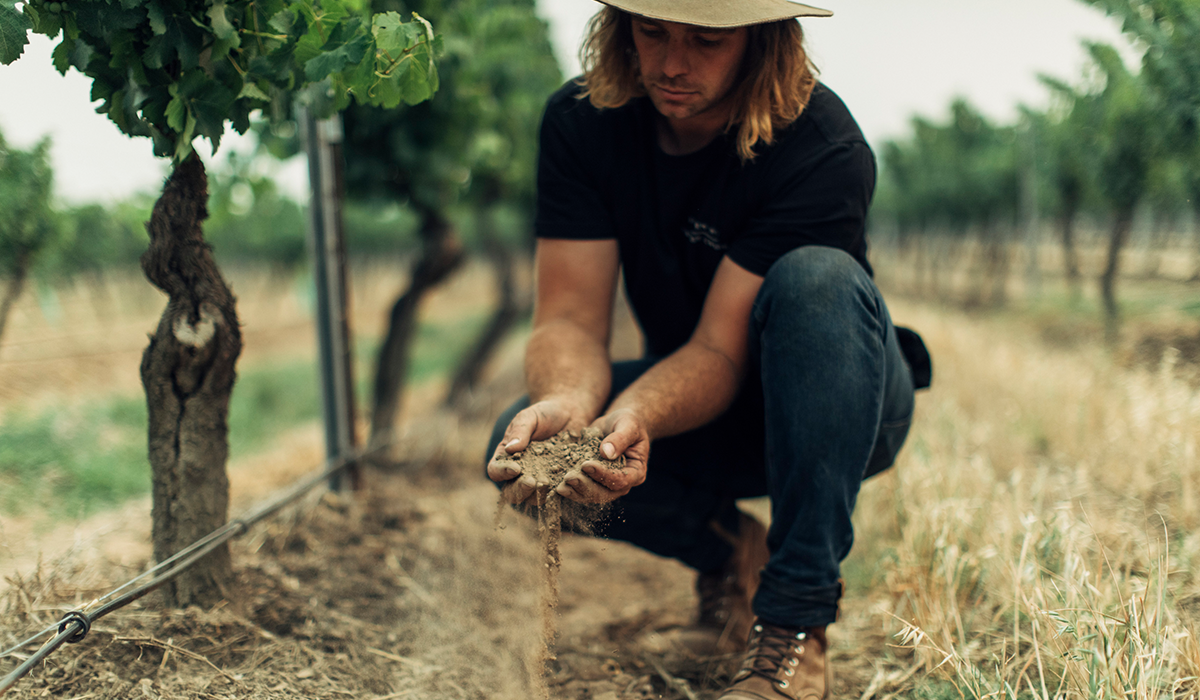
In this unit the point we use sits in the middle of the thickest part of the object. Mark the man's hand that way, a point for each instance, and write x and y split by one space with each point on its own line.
593 482
541 421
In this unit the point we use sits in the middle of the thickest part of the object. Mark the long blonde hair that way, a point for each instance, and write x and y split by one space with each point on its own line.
773 89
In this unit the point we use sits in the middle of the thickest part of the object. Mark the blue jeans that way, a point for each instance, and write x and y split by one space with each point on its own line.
827 403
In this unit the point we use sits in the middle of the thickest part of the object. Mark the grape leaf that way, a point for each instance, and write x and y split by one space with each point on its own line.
285 21
221 26
47 23
62 56
14 32
179 38
253 92
157 17
176 114
105 21
320 66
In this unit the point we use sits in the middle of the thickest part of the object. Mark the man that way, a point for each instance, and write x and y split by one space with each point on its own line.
699 156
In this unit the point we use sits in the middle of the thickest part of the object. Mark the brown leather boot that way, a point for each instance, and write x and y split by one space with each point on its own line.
725 596
782 663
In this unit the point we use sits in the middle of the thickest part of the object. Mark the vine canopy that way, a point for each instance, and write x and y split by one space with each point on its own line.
175 70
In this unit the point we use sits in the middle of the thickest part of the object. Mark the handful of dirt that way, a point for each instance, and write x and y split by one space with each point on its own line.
548 461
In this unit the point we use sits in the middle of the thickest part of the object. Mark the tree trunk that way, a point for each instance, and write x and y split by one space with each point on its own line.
440 255
15 284
1066 226
1108 281
466 378
188 374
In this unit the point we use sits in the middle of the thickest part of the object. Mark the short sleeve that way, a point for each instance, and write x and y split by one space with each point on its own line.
569 199
820 202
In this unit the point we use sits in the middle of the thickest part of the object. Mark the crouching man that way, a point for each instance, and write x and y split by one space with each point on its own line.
699 156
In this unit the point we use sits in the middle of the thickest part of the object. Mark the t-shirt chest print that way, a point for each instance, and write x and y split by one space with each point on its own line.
699 232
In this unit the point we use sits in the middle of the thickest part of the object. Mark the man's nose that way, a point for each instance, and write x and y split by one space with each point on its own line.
675 62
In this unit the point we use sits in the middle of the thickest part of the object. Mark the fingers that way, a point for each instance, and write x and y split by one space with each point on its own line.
614 479
519 432
622 432
540 421
500 468
518 490
579 487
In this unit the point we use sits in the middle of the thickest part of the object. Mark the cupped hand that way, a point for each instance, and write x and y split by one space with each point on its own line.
595 482
540 421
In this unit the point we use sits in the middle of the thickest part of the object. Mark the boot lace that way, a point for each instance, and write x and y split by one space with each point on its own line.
771 648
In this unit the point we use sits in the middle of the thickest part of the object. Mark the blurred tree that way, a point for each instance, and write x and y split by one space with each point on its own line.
1169 30
956 177
1067 134
1127 143
1115 123
29 224
473 145
1166 201
250 219
175 71
104 237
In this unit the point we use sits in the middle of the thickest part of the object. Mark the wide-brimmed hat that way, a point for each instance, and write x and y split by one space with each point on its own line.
718 14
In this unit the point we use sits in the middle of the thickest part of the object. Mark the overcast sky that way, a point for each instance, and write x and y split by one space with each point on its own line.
888 59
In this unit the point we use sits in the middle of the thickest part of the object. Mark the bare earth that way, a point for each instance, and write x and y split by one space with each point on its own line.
405 590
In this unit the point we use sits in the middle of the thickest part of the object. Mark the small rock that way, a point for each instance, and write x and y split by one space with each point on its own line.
305 673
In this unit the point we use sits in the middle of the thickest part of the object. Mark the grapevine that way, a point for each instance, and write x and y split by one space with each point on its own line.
175 70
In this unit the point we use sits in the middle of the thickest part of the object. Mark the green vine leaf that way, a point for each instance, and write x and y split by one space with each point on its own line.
221 26
14 32
62 56
175 70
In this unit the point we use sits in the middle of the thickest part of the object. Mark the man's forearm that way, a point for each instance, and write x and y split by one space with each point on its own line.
686 390
564 363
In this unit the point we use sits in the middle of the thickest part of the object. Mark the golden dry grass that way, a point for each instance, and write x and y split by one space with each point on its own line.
1038 536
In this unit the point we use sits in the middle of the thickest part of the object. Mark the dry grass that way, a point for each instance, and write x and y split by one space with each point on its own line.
1038 537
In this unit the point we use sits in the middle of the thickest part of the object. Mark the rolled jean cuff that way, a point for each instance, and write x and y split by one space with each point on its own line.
786 606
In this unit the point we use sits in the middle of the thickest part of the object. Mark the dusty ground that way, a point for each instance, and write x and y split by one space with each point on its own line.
407 591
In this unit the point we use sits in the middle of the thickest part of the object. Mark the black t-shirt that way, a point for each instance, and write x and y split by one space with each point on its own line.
602 175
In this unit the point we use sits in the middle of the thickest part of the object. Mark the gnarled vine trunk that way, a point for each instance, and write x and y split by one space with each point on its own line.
188 374
441 254
1122 223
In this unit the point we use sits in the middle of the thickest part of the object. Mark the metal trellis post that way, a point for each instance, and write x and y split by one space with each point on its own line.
323 143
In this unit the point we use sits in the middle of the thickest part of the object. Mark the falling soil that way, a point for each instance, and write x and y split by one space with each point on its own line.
549 462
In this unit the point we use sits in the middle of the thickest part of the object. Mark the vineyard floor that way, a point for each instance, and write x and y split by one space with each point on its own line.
410 590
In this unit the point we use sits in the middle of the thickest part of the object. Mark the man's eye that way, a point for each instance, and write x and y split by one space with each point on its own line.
707 41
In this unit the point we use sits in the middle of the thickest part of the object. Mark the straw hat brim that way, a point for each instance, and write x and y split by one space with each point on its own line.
718 14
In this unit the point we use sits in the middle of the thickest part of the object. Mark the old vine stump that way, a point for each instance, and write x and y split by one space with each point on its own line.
188 374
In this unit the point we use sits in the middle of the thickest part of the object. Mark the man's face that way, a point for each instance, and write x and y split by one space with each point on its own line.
687 70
